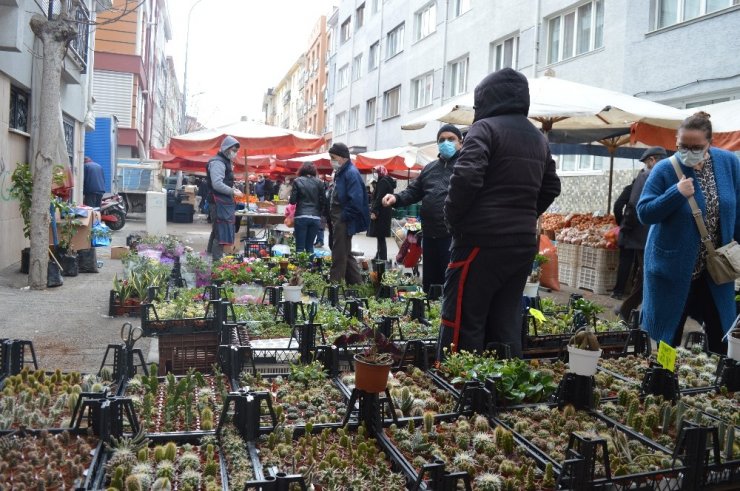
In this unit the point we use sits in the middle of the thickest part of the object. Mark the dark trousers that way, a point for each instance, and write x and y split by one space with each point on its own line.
382 249
635 298
436 257
92 199
482 299
701 307
343 264
626 261
214 248
305 231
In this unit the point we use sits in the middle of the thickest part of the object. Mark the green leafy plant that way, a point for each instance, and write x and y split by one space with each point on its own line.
21 188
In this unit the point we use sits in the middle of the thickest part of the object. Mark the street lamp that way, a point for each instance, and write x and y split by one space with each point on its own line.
185 75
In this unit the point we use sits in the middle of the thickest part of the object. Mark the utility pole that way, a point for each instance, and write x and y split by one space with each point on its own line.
185 75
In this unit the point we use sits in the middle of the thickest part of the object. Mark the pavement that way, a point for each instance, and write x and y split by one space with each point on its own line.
69 325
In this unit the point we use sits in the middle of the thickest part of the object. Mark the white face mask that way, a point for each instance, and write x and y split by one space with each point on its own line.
691 158
231 154
335 165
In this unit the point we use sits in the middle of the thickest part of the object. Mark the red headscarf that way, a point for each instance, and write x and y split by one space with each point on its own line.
381 170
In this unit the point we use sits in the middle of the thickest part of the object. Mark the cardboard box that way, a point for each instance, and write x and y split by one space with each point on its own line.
117 252
83 226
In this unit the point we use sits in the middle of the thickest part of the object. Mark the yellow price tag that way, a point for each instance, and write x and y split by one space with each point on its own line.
667 356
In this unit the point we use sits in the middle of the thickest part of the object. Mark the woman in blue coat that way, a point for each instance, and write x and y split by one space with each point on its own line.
677 284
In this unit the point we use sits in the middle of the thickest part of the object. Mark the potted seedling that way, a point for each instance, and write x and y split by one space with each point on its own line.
583 352
533 281
733 341
292 290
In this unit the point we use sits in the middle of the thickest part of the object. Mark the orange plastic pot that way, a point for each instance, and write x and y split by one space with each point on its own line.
370 377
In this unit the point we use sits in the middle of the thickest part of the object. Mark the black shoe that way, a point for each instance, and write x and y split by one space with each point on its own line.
616 296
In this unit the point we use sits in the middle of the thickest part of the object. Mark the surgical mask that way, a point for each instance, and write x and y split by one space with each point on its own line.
335 165
691 158
375 176
231 154
447 149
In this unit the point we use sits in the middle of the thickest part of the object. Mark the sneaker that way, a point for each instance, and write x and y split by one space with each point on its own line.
616 296
319 244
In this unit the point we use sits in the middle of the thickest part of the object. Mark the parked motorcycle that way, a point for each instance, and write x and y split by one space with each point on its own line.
113 212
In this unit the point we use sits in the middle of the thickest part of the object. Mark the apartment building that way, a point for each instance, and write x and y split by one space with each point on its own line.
20 89
393 60
315 92
167 114
285 104
130 65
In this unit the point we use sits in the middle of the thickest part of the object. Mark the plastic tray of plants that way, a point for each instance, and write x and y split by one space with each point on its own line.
188 404
696 370
470 451
622 458
49 459
37 399
182 461
661 421
182 311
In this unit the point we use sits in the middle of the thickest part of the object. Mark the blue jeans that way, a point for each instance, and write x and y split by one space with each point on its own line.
305 231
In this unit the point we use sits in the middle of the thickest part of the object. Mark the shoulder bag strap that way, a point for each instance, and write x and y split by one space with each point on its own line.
695 210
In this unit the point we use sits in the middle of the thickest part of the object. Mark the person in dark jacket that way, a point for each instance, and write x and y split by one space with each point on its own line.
222 208
380 216
633 234
503 180
626 256
307 193
431 189
349 215
93 184
264 188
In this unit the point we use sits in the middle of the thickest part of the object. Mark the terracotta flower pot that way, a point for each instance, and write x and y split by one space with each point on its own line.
370 377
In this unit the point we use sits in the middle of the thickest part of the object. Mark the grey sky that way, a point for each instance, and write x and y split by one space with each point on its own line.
238 48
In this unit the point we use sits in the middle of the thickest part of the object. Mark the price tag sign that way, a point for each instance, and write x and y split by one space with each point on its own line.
667 356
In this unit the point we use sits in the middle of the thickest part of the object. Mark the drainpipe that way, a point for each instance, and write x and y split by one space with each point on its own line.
444 53
537 13
351 81
378 100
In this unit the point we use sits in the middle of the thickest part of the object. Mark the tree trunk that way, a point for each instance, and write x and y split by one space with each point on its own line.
55 36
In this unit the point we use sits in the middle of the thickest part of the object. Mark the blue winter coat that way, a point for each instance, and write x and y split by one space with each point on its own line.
673 242
352 195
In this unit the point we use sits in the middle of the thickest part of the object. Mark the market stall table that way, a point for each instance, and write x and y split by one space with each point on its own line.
267 220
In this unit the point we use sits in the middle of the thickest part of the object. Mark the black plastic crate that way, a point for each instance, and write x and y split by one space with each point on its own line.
152 325
115 309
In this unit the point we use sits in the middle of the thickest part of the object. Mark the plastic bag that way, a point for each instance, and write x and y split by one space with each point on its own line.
549 276
69 265
53 275
101 235
87 261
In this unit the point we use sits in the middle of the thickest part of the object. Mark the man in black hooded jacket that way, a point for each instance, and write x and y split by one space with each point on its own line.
503 180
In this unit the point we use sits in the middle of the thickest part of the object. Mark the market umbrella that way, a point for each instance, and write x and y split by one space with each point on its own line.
725 117
571 112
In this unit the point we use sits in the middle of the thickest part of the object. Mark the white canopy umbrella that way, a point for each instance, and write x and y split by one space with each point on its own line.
563 105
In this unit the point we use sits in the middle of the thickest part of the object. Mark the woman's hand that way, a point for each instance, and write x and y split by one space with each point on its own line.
686 186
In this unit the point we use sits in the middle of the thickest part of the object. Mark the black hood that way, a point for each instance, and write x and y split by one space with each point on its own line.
503 92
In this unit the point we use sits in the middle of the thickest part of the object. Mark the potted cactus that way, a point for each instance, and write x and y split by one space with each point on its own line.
533 281
373 365
583 352
292 290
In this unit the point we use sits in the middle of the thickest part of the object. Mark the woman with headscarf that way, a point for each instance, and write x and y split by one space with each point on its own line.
380 216
677 283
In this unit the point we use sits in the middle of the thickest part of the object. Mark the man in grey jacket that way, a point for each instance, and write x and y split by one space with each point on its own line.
220 180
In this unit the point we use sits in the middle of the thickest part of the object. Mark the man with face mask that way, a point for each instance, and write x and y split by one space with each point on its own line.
349 211
431 189
220 180
503 180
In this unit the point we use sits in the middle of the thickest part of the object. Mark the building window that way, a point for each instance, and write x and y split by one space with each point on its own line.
69 138
375 6
340 124
576 32
374 56
459 77
581 163
79 45
18 109
670 12
425 21
392 102
345 31
357 67
394 42
691 105
505 54
460 7
359 17
370 112
421 91
354 118
343 77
